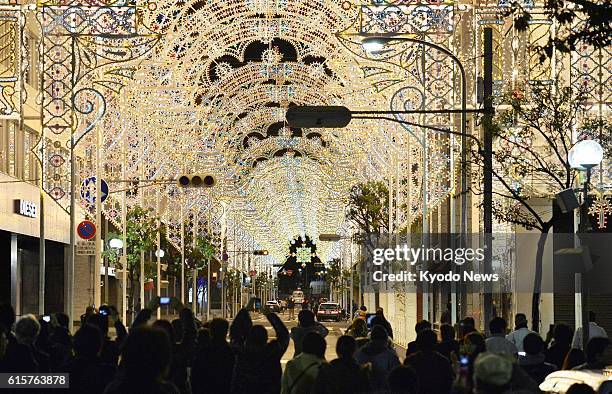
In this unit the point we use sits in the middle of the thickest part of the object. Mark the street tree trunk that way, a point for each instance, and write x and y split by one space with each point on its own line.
537 280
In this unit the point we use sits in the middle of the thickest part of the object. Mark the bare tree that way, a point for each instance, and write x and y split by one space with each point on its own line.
530 159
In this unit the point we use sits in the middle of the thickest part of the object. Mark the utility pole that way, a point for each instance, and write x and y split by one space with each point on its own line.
488 169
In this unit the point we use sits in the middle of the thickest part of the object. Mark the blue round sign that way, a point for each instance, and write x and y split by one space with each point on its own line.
86 229
88 190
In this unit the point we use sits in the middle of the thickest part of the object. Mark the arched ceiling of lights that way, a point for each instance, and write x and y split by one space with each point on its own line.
210 97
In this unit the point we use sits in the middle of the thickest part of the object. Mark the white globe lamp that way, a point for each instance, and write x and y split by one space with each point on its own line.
585 155
115 243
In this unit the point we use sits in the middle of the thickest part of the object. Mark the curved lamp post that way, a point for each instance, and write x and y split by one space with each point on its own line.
378 44
583 156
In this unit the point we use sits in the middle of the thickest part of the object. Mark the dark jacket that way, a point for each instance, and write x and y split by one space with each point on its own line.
447 347
434 371
129 387
556 353
183 353
89 375
381 321
341 376
298 333
536 367
259 370
382 360
18 357
212 369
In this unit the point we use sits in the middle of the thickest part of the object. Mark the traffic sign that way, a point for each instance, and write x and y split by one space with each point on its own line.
85 248
88 190
86 229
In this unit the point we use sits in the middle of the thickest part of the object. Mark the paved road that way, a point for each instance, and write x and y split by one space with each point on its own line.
335 331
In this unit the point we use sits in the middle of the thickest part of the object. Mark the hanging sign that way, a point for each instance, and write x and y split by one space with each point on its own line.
86 229
88 190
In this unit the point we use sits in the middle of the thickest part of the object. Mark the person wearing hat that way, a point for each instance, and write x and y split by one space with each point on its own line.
380 357
492 373
520 331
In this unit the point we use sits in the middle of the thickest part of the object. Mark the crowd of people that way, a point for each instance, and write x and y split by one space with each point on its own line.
186 356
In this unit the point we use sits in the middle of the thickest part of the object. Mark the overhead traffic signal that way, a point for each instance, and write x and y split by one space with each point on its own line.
260 252
196 180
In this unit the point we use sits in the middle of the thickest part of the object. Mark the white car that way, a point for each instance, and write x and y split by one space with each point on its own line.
273 306
329 311
561 381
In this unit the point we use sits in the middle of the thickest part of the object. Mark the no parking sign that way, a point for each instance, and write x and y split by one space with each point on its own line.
86 229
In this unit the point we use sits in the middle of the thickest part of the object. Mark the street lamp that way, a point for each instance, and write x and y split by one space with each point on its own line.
335 117
115 243
160 253
583 156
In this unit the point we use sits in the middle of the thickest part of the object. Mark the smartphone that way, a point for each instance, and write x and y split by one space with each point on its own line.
47 318
104 311
369 318
464 360
164 300
522 354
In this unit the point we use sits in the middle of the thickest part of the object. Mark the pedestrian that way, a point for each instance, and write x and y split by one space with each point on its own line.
520 331
595 331
380 356
534 361
27 330
110 348
598 354
306 324
560 345
497 342
145 360
446 317
574 358
361 312
473 345
258 364
357 329
178 363
466 326
61 342
342 375
448 346
435 371
418 327
89 311
379 319
89 374
301 371
239 329
214 363
403 380
17 357
492 373
291 308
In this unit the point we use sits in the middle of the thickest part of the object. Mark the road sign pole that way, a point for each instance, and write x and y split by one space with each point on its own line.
98 204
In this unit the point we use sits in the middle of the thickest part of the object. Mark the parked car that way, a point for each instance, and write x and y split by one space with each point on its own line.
329 311
273 306
298 296
561 381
